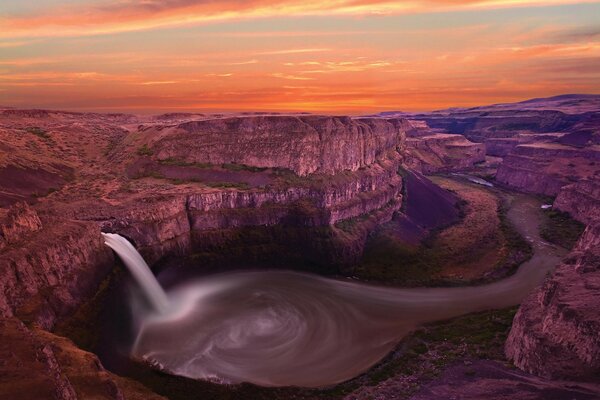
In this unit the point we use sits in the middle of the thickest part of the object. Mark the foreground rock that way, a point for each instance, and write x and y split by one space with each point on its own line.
555 332
39 365
493 380
48 265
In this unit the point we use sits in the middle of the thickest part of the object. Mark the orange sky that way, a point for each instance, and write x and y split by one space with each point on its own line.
334 56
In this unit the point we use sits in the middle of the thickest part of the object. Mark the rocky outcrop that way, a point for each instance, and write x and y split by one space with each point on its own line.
581 200
442 153
303 144
20 221
502 145
545 168
47 267
555 331
39 365
174 224
489 379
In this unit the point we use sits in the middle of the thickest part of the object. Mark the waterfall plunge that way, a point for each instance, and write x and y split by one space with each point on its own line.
139 269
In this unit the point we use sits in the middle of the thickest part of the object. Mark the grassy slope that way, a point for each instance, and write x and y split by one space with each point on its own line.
482 245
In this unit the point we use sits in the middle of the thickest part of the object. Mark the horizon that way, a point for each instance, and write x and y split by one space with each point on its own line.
152 112
338 57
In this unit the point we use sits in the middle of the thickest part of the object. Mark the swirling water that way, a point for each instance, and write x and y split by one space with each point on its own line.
277 328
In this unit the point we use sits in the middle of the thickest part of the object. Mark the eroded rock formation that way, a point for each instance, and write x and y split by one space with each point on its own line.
555 331
546 168
443 153
581 200
303 144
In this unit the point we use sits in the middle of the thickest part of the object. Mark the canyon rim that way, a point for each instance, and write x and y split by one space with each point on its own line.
283 200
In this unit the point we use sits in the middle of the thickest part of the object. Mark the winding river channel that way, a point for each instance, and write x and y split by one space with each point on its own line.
287 328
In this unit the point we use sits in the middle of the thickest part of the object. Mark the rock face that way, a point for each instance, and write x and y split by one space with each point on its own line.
303 144
48 266
546 168
322 171
39 365
167 224
581 200
442 153
482 379
310 187
20 221
555 331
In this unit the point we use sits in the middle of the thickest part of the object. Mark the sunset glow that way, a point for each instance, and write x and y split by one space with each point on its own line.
333 56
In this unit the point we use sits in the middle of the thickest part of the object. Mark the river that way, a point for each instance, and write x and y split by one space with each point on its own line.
275 328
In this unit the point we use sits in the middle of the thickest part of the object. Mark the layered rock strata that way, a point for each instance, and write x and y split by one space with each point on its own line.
48 266
303 144
555 331
581 200
546 168
442 153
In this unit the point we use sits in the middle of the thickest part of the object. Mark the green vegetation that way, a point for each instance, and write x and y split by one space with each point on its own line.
144 151
227 166
242 167
519 249
518 126
389 260
41 133
228 185
434 346
181 163
561 229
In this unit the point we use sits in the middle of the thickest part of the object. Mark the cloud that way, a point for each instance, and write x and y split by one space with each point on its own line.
134 15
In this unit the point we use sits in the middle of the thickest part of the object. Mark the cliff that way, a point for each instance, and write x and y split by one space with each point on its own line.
39 365
303 144
581 200
47 267
545 168
174 223
442 153
555 331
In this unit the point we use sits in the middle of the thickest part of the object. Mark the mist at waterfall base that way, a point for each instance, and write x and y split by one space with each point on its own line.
279 328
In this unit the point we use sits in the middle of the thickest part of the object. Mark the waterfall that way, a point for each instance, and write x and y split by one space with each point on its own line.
139 269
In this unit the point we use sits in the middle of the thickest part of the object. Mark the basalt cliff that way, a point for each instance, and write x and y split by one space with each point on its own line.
209 191
188 188
555 332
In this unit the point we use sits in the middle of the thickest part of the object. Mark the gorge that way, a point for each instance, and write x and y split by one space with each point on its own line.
301 256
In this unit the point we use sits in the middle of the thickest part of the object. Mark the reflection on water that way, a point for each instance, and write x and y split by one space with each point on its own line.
286 328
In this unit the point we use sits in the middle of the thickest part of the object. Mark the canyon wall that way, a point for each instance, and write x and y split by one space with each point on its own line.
176 224
581 200
555 331
48 266
544 168
303 144
39 365
434 153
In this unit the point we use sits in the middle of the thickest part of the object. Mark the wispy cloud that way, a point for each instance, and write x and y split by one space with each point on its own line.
134 15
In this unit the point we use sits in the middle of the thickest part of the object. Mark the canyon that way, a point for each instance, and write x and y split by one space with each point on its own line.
209 192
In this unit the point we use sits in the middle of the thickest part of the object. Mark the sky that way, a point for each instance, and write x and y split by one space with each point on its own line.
331 56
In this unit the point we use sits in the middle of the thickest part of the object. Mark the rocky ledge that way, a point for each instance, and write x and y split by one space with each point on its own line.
180 186
544 168
581 200
303 144
555 331
435 153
